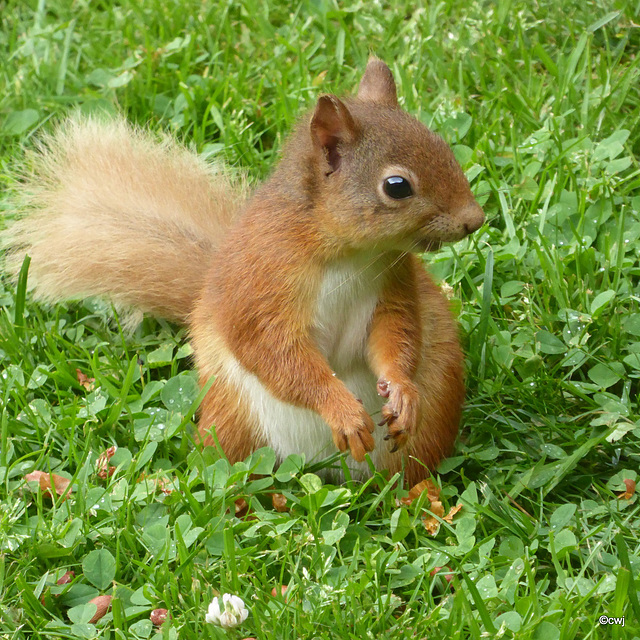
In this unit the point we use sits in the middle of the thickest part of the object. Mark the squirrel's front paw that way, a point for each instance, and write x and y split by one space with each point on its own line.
352 429
400 413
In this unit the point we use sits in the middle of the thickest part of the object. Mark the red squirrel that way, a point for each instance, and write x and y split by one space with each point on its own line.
304 301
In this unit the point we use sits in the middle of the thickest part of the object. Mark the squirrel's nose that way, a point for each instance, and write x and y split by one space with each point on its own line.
472 217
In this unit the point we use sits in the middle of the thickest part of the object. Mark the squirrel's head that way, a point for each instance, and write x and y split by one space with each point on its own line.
384 179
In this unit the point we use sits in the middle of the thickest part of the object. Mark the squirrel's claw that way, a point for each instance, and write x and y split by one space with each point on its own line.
400 413
355 433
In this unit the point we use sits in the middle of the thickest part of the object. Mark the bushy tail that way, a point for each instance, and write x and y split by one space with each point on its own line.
107 209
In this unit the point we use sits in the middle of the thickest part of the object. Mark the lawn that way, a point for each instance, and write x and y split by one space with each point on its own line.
540 102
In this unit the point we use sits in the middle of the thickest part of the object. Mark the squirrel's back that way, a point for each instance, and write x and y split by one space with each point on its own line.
112 210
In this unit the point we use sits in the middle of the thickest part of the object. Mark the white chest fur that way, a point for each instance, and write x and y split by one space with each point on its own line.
346 301
344 307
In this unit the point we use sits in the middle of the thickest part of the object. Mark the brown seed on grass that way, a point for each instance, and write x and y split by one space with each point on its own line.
448 576
283 590
66 578
279 502
102 603
241 508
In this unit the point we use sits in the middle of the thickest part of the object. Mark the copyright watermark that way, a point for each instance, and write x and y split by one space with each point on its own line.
604 620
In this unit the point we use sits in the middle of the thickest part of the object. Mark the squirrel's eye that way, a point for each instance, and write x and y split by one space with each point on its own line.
397 187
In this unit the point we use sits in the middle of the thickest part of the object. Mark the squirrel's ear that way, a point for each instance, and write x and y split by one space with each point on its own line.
332 125
377 84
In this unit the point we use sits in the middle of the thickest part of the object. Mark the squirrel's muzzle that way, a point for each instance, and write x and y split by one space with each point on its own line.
471 216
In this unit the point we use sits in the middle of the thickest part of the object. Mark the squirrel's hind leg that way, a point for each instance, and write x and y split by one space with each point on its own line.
224 412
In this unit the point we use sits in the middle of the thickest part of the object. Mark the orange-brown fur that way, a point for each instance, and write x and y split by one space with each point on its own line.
235 429
257 281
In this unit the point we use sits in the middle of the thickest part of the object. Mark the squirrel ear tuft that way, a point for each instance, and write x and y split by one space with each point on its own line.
332 125
377 84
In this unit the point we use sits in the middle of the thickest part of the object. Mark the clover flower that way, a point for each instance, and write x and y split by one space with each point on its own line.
233 612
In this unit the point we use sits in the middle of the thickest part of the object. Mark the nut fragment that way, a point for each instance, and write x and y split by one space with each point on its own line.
103 603
158 616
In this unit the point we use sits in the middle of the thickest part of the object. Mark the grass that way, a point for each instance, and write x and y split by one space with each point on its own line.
541 104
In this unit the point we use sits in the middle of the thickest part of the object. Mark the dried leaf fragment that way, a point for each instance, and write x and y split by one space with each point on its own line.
49 480
432 489
102 464
85 381
630 489
163 485
430 522
452 512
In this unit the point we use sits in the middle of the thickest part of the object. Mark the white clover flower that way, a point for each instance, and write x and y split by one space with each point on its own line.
233 613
